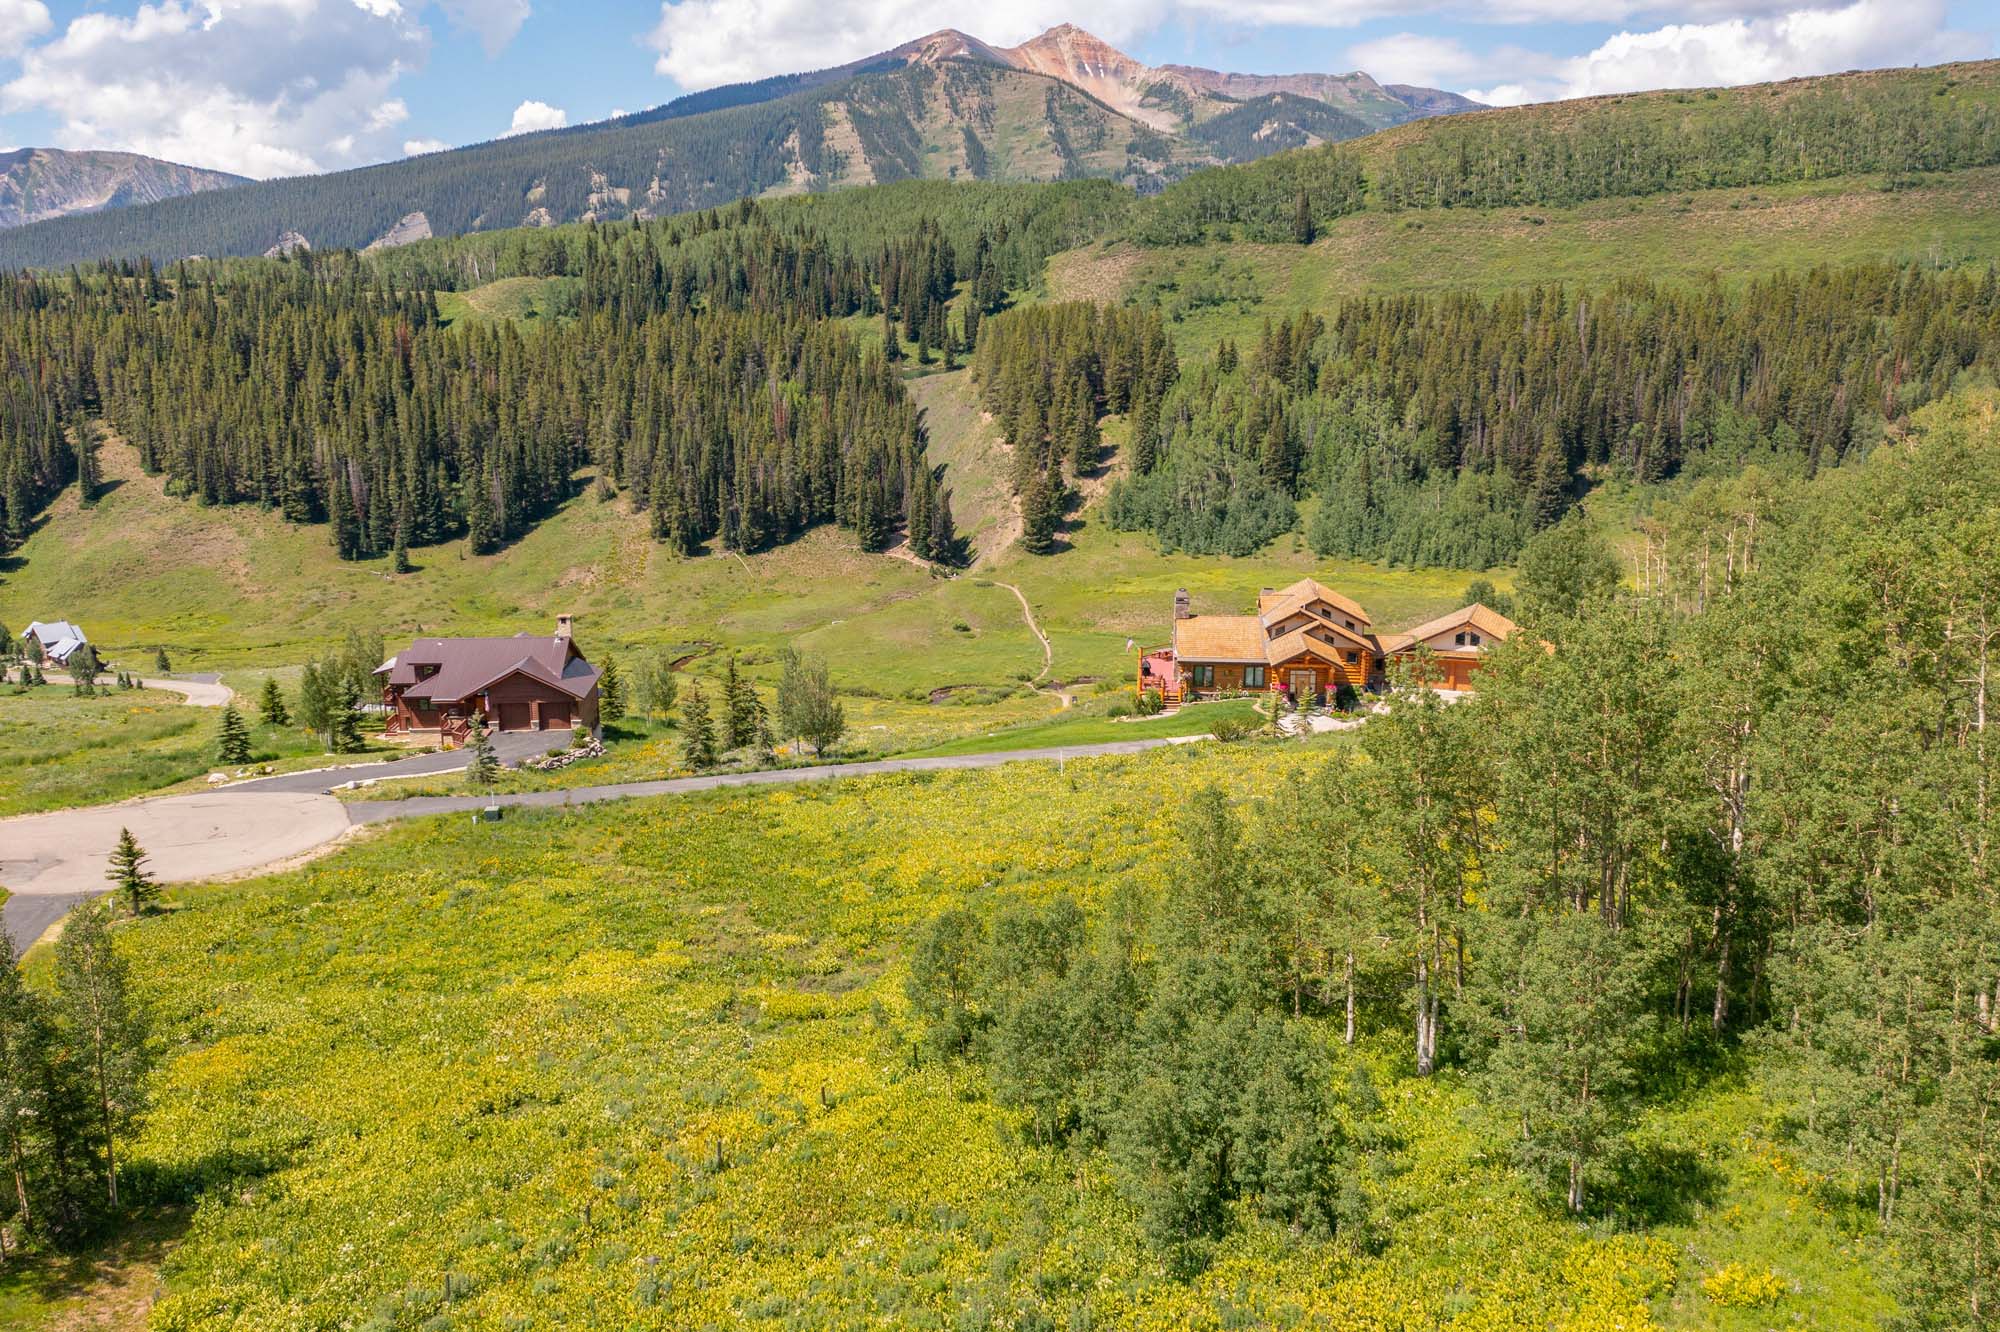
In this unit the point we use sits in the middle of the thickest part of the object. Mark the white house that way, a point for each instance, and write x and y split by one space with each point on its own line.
58 638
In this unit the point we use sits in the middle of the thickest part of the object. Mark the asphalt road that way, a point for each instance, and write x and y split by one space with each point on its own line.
51 862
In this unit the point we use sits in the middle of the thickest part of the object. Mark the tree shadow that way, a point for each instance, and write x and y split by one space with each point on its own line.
1654 1184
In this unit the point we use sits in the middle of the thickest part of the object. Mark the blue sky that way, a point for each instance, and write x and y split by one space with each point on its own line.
276 87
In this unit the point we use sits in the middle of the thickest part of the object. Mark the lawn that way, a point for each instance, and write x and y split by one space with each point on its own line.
651 1066
1092 727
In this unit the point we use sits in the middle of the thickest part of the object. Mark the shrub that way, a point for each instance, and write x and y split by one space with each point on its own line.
579 736
1734 1286
1228 730
1150 703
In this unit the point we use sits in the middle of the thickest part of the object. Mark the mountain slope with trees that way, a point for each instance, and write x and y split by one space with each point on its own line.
946 106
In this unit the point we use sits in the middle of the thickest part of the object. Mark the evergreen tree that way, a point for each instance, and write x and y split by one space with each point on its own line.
740 708
611 692
131 881
482 768
344 727
1302 220
232 743
697 730
271 708
160 662
102 1025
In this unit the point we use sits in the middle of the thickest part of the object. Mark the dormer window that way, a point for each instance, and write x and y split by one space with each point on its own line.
1474 639
1460 640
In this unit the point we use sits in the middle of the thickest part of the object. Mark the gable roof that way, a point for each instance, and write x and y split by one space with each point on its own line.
1310 640
58 638
468 665
1219 638
1277 605
1476 616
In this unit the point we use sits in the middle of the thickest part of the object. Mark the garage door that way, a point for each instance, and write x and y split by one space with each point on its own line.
513 716
555 715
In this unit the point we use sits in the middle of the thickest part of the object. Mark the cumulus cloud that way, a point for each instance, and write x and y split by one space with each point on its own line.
496 22
21 21
418 147
702 43
260 87
531 115
1865 33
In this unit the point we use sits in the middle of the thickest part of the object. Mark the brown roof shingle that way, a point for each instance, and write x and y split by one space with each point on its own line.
1219 638
1476 616
468 665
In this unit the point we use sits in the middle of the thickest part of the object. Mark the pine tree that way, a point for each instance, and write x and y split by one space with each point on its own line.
611 692
101 1023
344 727
127 872
271 708
740 706
1302 219
697 731
160 662
483 768
232 744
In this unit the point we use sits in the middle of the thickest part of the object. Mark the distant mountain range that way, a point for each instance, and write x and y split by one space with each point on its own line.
1063 105
37 184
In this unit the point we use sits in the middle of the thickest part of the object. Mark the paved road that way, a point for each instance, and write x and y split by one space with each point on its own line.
208 693
51 862
509 747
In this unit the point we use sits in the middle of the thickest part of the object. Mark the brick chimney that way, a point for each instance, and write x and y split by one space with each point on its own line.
562 626
1181 607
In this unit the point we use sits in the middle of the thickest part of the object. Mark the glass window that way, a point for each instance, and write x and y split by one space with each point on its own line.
1353 658
1253 677
1475 640
1460 640
1204 677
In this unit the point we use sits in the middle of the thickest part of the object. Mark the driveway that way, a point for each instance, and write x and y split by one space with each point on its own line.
510 747
200 692
51 862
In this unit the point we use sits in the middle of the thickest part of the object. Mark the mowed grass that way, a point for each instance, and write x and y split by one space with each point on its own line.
1095 728
58 751
651 1066
1734 234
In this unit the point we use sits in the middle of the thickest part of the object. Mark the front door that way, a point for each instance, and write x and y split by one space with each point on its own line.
1302 684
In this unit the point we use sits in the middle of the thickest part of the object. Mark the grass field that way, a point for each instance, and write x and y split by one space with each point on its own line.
1733 234
58 750
651 1067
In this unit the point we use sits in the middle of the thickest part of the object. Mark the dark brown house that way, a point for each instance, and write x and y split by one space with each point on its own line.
523 683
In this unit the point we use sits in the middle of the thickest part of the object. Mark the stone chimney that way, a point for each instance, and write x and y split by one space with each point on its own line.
562 626
1181 608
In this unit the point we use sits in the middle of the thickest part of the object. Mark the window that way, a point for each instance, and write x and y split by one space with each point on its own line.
1460 640
1474 639
1203 677
1353 658
1253 677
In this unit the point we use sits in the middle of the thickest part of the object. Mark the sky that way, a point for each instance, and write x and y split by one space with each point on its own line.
283 87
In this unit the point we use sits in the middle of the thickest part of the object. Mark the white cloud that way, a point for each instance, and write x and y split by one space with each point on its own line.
20 21
1865 33
703 43
260 87
497 22
531 115
418 147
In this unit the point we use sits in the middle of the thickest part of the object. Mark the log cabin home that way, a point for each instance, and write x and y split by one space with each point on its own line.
1306 641
524 683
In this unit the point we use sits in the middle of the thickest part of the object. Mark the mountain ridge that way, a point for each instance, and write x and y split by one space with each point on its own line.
43 184
1062 105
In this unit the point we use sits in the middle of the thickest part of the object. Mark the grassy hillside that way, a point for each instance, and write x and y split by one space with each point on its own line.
1219 289
141 570
653 1066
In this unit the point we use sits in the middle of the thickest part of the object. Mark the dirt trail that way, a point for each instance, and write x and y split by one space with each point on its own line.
1048 648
